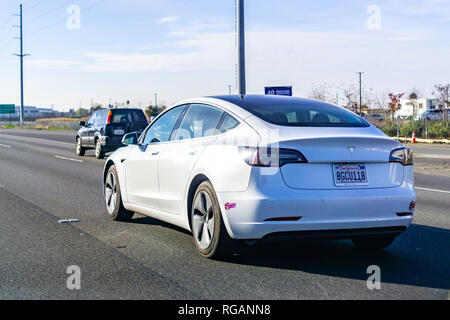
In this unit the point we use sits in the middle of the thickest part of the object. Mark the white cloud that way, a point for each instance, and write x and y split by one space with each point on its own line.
53 63
168 19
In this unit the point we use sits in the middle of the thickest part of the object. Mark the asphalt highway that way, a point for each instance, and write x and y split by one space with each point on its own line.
42 181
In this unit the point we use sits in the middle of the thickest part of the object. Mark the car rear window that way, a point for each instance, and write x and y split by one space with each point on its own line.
303 115
127 116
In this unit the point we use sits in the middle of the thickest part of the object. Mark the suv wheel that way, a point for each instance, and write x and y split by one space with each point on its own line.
80 150
113 197
99 153
210 235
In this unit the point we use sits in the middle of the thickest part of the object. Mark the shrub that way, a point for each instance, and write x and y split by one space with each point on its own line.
438 130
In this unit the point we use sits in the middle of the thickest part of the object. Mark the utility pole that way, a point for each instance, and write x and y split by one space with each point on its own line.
21 55
156 101
229 89
241 46
360 91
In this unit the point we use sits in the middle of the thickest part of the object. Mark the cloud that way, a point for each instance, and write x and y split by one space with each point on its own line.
168 19
54 63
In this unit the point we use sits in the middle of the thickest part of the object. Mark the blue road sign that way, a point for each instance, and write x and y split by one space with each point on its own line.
279 91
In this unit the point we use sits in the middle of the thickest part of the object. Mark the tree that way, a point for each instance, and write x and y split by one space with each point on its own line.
352 96
96 107
321 92
394 104
152 111
442 93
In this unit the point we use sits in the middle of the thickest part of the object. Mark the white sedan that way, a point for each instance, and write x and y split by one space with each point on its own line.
236 169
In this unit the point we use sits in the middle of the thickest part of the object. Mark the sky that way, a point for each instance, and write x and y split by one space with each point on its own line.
119 50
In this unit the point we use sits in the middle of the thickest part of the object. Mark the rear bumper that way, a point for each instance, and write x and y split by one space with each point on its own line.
110 144
334 234
332 212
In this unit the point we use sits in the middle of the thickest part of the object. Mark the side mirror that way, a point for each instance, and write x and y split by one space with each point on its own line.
130 139
82 123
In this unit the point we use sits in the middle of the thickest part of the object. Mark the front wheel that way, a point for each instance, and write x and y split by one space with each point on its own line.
374 242
113 197
80 150
210 235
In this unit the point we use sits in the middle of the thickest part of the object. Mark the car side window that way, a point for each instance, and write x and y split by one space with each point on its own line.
90 122
200 121
162 128
228 123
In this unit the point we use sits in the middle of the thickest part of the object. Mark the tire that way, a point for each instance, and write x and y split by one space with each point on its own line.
80 149
374 243
113 198
99 153
206 218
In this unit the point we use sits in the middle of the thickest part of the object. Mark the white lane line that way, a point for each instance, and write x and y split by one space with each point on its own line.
68 159
432 156
433 190
5 146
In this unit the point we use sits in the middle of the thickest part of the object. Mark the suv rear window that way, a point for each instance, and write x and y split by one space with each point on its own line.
299 115
128 116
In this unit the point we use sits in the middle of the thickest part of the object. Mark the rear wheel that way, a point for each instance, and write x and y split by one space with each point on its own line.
80 150
113 197
374 242
99 153
210 235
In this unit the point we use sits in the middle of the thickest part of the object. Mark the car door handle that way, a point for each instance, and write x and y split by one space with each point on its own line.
155 153
193 153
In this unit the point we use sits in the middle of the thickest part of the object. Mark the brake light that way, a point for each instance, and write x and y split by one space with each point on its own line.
404 156
108 120
270 157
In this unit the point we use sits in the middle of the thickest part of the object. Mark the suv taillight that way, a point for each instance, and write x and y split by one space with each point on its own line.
270 157
108 120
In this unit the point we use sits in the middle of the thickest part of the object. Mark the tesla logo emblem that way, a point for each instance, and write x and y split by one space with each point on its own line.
229 206
352 149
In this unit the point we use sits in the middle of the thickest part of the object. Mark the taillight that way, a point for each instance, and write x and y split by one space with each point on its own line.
108 120
270 157
404 156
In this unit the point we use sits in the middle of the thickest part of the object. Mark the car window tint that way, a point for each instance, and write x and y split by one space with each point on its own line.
304 115
162 128
228 123
127 117
200 121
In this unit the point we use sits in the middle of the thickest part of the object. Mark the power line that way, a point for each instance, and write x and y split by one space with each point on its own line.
49 12
65 19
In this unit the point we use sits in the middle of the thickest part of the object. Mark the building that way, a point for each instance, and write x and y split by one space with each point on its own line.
31 113
417 107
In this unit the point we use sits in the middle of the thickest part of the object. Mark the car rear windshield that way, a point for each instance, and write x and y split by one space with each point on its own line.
304 115
127 116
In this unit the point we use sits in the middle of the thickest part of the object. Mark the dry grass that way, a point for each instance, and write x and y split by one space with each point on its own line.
63 119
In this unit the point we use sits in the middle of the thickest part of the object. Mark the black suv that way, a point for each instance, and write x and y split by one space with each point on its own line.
105 129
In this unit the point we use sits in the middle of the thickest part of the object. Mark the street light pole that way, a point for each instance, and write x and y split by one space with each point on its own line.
360 91
241 46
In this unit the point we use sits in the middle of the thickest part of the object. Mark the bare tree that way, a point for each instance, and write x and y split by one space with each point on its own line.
442 93
351 95
321 92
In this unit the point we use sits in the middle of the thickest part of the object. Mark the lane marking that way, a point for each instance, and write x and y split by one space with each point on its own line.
432 156
69 159
433 190
5 146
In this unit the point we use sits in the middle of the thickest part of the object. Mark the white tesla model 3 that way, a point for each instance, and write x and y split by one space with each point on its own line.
253 167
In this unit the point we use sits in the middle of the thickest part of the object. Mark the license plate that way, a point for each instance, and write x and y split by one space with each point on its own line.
346 175
119 132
